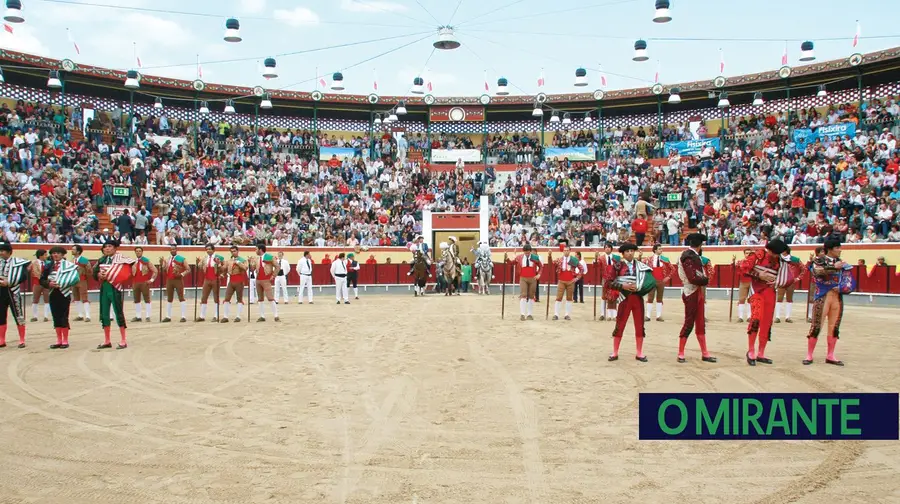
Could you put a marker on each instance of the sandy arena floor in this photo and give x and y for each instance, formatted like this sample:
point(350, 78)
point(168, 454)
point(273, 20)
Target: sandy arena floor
point(401, 400)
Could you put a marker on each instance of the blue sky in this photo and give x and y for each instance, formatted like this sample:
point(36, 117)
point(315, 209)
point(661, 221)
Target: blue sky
point(515, 39)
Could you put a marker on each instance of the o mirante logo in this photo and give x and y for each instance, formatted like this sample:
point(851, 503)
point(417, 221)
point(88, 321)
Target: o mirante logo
point(769, 416)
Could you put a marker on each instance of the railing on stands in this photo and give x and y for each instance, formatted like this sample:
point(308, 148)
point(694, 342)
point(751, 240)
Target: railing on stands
point(882, 280)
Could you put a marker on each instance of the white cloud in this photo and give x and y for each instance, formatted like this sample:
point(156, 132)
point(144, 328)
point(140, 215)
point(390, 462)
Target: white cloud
point(252, 6)
point(371, 6)
point(23, 40)
point(299, 16)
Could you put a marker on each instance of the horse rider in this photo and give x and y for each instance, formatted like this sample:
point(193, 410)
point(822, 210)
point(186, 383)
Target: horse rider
point(419, 245)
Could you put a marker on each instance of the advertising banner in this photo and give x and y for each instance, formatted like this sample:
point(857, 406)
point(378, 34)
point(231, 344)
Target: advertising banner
point(804, 136)
point(571, 153)
point(692, 147)
point(325, 153)
point(452, 155)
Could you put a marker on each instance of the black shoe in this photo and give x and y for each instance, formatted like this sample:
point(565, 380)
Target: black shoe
point(21, 345)
point(807, 362)
point(121, 346)
point(641, 359)
point(612, 358)
point(55, 346)
point(834, 362)
point(709, 359)
point(3, 345)
point(104, 346)
point(764, 360)
point(682, 360)
point(346, 302)
point(750, 361)
point(64, 346)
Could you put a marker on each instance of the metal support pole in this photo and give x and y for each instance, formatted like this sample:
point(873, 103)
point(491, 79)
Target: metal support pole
point(316, 119)
point(484, 133)
point(789, 107)
point(600, 127)
point(659, 120)
point(130, 117)
point(859, 84)
point(428, 134)
point(542, 138)
point(256, 127)
point(371, 134)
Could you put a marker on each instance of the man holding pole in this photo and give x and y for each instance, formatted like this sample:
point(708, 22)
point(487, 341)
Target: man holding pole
point(568, 271)
point(662, 272)
point(236, 269)
point(211, 271)
point(176, 270)
point(144, 275)
point(80, 291)
point(13, 271)
point(265, 271)
point(529, 266)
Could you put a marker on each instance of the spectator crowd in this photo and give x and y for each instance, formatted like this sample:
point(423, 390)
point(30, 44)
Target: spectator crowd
point(223, 183)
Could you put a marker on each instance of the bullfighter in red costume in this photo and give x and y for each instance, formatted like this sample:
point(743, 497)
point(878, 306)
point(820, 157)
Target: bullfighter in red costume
point(694, 277)
point(767, 272)
point(662, 272)
point(632, 279)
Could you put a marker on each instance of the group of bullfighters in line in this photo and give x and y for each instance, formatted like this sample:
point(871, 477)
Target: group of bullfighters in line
point(769, 276)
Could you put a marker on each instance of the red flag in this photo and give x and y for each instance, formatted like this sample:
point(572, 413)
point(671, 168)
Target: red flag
point(71, 39)
point(856, 37)
point(374, 80)
point(602, 76)
point(656, 77)
point(322, 81)
point(784, 58)
point(8, 28)
point(721, 63)
point(487, 87)
point(541, 79)
point(430, 87)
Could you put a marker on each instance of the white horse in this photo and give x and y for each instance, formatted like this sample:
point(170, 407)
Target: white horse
point(484, 268)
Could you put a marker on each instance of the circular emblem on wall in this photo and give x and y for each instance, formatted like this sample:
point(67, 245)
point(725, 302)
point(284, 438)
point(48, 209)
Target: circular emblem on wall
point(784, 72)
point(429, 100)
point(484, 99)
point(599, 94)
point(719, 82)
point(372, 98)
point(68, 65)
point(316, 95)
point(657, 89)
point(457, 114)
point(258, 91)
point(856, 59)
point(198, 85)
point(541, 98)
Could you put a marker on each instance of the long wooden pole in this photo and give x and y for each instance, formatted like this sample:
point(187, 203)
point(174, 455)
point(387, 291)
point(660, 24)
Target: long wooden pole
point(731, 301)
point(162, 274)
point(194, 285)
point(596, 286)
point(549, 281)
point(503, 289)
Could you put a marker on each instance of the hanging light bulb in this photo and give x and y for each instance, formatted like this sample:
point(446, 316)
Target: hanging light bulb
point(204, 108)
point(14, 12)
point(502, 86)
point(131, 80)
point(807, 51)
point(587, 117)
point(229, 107)
point(822, 92)
point(337, 81)
point(269, 70)
point(758, 99)
point(401, 107)
point(663, 15)
point(377, 119)
point(53, 81)
point(581, 79)
point(418, 86)
point(675, 95)
point(158, 105)
point(567, 119)
point(538, 111)
point(446, 39)
point(554, 118)
point(232, 30)
point(723, 100)
point(393, 117)
point(266, 102)
point(640, 51)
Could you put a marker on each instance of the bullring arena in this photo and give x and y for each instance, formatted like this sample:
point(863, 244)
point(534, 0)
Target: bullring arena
point(401, 399)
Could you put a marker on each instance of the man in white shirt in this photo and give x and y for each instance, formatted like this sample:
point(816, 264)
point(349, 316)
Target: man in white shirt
point(281, 273)
point(305, 269)
point(339, 274)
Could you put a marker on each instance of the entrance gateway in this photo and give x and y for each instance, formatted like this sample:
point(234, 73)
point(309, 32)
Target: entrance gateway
point(468, 227)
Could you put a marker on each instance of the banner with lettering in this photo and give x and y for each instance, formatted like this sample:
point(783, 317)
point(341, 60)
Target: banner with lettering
point(804, 136)
point(464, 113)
point(325, 153)
point(452, 155)
point(692, 147)
point(571, 153)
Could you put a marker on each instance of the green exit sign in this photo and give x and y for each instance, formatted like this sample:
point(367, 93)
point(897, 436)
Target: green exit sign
point(121, 191)
point(674, 196)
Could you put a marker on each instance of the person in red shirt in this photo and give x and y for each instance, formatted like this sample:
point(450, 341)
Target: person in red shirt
point(662, 272)
point(639, 227)
point(236, 269)
point(176, 270)
point(210, 270)
point(568, 271)
point(143, 276)
point(767, 272)
point(608, 305)
point(326, 261)
point(529, 266)
point(743, 287)
point(371, 260)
